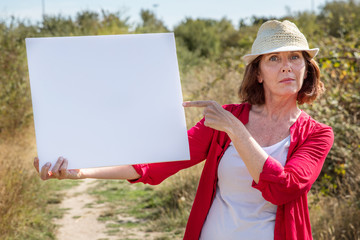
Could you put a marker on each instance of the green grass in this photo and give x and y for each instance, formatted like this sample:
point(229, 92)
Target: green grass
point(54, 196)
point(142, 205)
point(134, 200)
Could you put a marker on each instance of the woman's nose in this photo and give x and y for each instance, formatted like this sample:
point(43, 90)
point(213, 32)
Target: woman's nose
point(286, 67)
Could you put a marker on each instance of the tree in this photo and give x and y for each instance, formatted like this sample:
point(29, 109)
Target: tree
point(340, 18)
point(150, 24)
point(88, 22)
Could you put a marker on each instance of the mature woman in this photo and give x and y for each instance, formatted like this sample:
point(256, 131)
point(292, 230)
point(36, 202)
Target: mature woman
point(262, 156)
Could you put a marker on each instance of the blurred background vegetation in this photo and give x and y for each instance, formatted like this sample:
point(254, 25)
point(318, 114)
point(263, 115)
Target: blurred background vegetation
point(209, 54)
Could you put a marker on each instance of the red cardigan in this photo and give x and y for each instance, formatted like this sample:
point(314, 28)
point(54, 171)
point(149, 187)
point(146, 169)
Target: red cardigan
point(285, 186)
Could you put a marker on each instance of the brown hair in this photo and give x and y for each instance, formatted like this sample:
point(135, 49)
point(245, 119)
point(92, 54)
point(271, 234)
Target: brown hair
point(252, 91)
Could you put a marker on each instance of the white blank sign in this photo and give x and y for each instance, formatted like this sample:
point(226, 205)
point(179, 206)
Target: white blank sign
point(107, 100)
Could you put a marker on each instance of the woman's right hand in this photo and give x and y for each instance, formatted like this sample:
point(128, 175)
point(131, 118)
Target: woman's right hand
point(59, 170)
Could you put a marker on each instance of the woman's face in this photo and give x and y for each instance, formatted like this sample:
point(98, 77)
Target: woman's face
point(282, 73)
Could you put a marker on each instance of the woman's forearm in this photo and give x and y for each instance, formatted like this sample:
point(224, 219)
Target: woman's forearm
point(219, 119)
point(126, 172)
point(249, 150)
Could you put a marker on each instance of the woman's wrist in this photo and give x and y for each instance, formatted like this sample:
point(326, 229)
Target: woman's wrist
point(235, 130)
point(75, 174)
point(81, 174)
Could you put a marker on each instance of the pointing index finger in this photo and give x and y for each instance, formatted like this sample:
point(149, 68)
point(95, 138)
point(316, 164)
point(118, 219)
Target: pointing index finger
point(197, 103)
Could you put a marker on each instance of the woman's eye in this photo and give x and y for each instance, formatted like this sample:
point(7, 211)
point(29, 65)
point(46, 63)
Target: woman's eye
point(273, 58)
point(295, 57)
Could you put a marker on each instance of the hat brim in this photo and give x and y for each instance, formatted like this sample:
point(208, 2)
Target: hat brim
point(250, 57)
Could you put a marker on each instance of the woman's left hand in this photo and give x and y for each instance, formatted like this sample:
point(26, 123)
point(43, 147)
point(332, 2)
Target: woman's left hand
point(59, 170)
point(216, 116)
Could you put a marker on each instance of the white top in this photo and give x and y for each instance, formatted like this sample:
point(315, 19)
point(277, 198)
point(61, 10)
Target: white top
point(239, 211)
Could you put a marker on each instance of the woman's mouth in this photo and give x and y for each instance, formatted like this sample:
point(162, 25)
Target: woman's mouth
point(287, 80)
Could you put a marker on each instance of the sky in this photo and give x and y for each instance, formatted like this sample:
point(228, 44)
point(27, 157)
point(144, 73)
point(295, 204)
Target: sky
point(172, 12)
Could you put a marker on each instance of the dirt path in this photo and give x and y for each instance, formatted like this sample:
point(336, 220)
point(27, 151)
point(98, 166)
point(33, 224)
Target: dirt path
point(79, 221)
point(80, 218)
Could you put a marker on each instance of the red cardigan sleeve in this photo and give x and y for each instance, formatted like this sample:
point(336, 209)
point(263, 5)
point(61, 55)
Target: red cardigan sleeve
point(200, 138)
point(279, 184)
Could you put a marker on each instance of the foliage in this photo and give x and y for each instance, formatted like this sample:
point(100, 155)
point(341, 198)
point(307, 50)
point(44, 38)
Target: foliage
point(57, 26)
point(150, 24)
point(206, 37)
point(85, 23)
point(114, 23)
point(340, 18)
point(340, 108)
point(15, 93)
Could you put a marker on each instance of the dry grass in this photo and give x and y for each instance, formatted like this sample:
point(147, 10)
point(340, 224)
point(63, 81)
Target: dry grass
point(22, 202)
point(335, 218)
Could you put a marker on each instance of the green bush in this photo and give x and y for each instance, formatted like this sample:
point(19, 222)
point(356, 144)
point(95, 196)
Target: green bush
point(15, 104)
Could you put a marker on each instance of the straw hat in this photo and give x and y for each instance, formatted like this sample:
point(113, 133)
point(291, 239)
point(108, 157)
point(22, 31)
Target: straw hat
point(276, 36)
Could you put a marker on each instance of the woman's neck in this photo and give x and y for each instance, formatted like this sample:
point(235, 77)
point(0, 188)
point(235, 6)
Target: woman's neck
point(278, 109)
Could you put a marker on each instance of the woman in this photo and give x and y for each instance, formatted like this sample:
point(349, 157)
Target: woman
point(262, 156)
